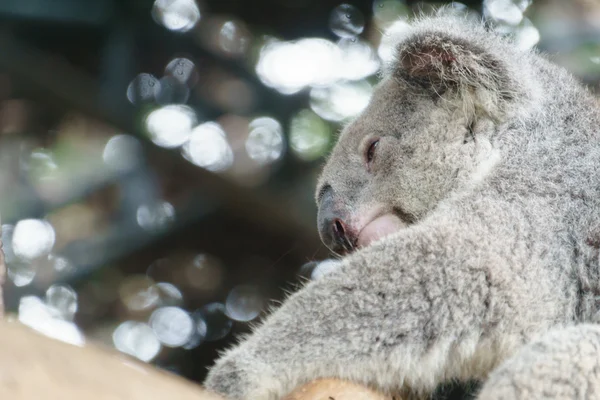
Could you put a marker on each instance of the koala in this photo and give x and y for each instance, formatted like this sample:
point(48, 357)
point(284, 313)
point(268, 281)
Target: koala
point(464, 203)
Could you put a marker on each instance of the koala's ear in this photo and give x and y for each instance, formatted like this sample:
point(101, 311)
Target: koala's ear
point(440, 62)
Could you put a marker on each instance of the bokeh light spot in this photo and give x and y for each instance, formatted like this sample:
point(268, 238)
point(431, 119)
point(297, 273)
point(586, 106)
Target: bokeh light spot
point(122, 153)
point(310, 136)
point(244, 303)
point(324, 267)
point(233, 38)
point(171, 126)
point(291, 66)
point(386, 12)
point(20, 272)
point(34, 313)
point(138, 293)
point(314, 62)
point(204, 273)
point(265, 140)
point(61, 264)
point(155, 217)
point(172, 326)
point(526, 35)
point(136, 339)
point(459, 10)
point(508, 12)
point(32, 238)
point(346, 21)
point(183, 70)
point(62, 300)
point(389, 39)
point(307, 269)
point(358, 58)
point(141, 88)
point(41, 165)
point(208, 148)
point(341, 101)
point(169, 294)
point(176, 15)
point(199, 332)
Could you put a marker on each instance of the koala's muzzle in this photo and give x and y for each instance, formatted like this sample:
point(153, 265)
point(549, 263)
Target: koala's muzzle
point(335, 233)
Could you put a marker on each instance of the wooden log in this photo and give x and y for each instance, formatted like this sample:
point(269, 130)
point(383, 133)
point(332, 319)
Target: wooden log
point(34, 367)
point(335, 389)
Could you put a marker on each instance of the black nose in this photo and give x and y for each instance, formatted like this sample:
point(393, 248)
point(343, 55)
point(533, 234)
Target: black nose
point(334, 232)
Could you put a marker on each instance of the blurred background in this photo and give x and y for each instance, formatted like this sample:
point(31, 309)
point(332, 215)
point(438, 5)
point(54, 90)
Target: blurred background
point(158, 157)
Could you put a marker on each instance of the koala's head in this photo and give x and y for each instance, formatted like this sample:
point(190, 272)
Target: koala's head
point(426, 134)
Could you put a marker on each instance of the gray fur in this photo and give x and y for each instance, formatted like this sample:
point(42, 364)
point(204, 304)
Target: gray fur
point(494, 154)
point(564, 364)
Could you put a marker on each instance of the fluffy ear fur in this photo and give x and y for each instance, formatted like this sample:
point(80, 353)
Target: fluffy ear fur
point(458, 66)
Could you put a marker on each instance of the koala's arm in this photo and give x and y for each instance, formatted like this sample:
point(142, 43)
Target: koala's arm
point(563, 364)
point(449, 297)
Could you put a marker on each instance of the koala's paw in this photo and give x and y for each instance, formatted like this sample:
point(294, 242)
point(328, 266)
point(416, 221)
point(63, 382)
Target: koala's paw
point(229, 380)
point(236, 377)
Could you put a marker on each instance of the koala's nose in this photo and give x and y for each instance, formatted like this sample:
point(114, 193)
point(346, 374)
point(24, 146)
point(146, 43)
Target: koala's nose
point(336, 235)
point(334, 232)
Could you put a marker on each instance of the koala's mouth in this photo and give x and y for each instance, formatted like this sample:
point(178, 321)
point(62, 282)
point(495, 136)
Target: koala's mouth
point(379, 228)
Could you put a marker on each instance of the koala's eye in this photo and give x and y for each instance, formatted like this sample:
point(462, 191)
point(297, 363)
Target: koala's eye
point(370, 155)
